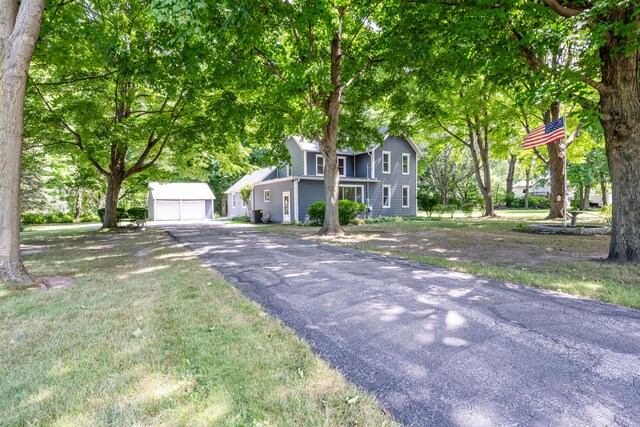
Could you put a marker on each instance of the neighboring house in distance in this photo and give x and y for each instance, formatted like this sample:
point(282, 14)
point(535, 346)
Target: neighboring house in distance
point(537, 187)
point(177, 201)
point(235, 204)
point(384, 177)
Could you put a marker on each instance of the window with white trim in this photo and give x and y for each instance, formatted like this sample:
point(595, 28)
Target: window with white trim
point(386, 196)
point(405, 196)
point(386, 162)
point(342, 166)
point(351, 192)
point(233, 200)
point(267, 196)
point(319, 164)
point(243, 204)
point(406, 157)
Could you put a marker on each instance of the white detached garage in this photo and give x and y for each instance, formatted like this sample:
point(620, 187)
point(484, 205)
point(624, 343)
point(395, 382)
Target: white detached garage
point(177, 201)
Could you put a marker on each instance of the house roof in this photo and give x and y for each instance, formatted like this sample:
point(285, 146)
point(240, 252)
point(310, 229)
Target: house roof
point(251, 178)
point(180, 191)
point(314, 147)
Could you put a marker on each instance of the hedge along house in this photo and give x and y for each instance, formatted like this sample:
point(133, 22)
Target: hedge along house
point(180, 201)
point(235, 205)
point(384, 177)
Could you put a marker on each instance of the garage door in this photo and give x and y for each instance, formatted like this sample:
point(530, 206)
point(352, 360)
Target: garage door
point(168, 211)
point(193, 209)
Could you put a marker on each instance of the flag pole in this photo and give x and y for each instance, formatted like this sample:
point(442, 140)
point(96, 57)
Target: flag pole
point(564, 196)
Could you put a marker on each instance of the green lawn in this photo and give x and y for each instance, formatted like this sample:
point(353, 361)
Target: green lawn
point(148, 336)
point(492, 247)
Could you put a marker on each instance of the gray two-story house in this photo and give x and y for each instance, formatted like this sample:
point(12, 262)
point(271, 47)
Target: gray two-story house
point(384, 177)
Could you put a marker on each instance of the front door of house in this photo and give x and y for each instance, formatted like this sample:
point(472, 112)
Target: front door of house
point(286, 206)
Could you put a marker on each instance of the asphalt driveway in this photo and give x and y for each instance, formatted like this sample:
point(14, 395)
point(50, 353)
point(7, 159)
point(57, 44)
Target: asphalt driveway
point(438, 347)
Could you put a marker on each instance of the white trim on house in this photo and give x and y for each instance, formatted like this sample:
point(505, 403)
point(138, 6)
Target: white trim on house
point(305, 162)
point(406, 188)
point(319, 156)
point(373, 163)
point(388, 170)
point(243, 204)
point(295, 199)
point(286, 218)
point(344, 166)
point(408, 157)
point(233, 200)
point(267, 195)
point(416, 187)
point(388, 204)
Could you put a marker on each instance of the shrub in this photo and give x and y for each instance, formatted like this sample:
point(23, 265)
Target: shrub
point(138, 213)
point(348, 210)
point(316, 212)
point(121, 212)
point(90, 218)
point(33, 218)
point(467, 209)
point(446, 209)
point(540, 202)
point(427, 202)
point(243, 218)
point(509, 200)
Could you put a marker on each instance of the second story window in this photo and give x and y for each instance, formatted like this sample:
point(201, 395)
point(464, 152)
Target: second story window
point(386, 162)
point(319, 164)
point(342, 164)
point(405, 163)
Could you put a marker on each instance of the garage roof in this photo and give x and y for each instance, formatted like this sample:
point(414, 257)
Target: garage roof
point(180, 191)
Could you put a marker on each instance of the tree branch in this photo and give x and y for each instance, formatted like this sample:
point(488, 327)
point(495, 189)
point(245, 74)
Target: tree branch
point(270, 65)
point(561, 10)
point(79, 79)
point(361, 72)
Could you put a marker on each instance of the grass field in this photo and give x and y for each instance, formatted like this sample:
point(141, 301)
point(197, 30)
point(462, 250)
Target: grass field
point(492, 247)
point(139, 333)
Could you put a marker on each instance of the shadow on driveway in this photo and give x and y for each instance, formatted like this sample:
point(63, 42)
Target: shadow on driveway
point(438, 347)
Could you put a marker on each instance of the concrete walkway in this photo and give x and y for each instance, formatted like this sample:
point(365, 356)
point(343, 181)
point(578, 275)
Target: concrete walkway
point(438, 347)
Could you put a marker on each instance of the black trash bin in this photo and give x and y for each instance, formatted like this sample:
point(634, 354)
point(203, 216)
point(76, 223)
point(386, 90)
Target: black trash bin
point(256, 216)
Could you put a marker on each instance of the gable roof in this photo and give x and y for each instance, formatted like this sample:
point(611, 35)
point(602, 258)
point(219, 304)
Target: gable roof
point(251, 178)
point(180, 191)
point(314, 147)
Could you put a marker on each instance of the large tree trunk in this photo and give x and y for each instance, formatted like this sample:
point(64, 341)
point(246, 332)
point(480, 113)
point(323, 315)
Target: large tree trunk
point(111, 201)
point(329, 141)
point(620, 118)
point(556, 165)
point(512, 170)
point(18, 36)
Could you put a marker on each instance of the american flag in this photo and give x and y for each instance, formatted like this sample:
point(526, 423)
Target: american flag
point(545, 134)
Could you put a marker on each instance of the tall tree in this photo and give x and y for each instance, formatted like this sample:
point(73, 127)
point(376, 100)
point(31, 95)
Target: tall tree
point(19, 28)
point(126, 93)
point(312, 67)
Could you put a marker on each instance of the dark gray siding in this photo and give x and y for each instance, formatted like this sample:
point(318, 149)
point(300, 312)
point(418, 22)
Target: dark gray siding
point(362, 166)
point(281, 172)
point(395, 179)
point(273, 208)
point(311, 163)
point(309, 192)
point(238, 210)
point(297, 157)
point(272, 175)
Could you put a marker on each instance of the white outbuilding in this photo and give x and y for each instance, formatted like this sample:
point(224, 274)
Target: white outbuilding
point(177, 201)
